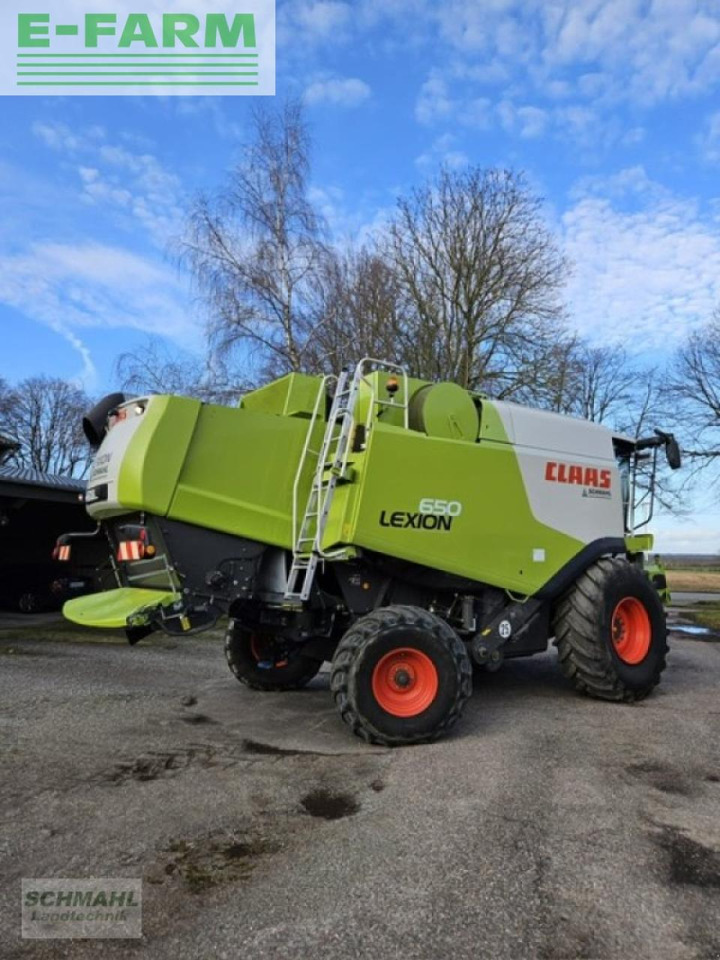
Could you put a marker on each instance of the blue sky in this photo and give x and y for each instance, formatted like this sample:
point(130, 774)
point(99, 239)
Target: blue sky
point(610, 107)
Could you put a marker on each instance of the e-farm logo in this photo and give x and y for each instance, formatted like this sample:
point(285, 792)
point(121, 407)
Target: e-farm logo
point(228, 47)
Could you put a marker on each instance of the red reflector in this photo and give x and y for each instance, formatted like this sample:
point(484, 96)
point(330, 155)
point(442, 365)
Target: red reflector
point(63, 552)
point(117, 417)
point(131, 550)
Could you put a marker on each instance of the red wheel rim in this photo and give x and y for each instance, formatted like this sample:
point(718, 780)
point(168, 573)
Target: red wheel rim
point(256, 649)
point(405, 682)
point(631, 630)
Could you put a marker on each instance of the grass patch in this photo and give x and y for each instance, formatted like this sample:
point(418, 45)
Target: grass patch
point(707, 616)
point(694, 581)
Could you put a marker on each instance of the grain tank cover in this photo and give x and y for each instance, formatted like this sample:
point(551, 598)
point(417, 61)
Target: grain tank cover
point(445, 411)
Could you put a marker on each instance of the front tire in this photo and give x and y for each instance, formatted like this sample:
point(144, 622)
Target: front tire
point(259, 662)
point(610, 632)
point(401, 675)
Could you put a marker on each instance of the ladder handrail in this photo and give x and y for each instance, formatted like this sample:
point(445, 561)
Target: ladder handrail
point(321, 395)
point(374, 400)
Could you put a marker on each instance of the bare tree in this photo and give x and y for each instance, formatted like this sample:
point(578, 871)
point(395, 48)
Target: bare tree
point(154, 368)
point(43, 416)
point(256, 250)
point(694, 385)
point(8, 446)
point(581, 380)
point(481, 276)
point(552, 383)
point(605, 383)
point(358, 313)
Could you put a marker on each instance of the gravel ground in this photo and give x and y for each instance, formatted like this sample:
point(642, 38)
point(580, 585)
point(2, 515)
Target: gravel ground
point(546, 826)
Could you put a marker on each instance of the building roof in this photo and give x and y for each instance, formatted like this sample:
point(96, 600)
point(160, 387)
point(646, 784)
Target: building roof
point(24, 481)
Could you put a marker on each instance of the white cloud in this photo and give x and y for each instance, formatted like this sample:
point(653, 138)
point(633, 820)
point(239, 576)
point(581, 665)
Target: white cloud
point(698, 534)
point(73, 287)
point(434, 101)
point(627, 49)
point(443, 151)
point(338, 91)
point(211, 109)
point(302, 25)
point(56, 135)
point(352, 221)
point(709, 139)
point(133, 185)
point(528, 121)
point(613, 49)
point(632, 136)
point(443, 100)
point(77, 279)
point(323, 18)
point(647, 263)
point(589, 56)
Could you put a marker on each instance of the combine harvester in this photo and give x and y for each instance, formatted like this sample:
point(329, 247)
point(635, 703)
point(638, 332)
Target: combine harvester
point(399, 528)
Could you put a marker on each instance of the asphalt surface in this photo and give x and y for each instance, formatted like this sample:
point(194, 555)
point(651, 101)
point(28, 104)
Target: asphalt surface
point(547, 826)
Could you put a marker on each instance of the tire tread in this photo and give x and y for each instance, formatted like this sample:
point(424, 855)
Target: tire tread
point(583, 657)
point(360, 635)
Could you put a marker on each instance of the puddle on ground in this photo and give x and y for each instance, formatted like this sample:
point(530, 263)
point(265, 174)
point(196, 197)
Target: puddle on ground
point(692, 631)
point(328, 805)
point(689, 863)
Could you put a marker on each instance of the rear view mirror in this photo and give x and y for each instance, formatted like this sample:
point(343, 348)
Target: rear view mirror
point(672, 452)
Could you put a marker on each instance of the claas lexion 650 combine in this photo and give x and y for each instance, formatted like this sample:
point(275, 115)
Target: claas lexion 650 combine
point(404, 530)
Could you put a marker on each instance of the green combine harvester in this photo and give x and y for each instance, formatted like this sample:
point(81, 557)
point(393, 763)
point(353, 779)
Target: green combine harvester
point(401, 529)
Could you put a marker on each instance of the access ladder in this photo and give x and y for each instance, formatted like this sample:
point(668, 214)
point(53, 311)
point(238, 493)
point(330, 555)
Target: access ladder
point(331, 468)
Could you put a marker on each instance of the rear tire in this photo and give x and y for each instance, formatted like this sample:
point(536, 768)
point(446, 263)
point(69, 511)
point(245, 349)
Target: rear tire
point(401, 675)
point(610, 632)
point(258, 663)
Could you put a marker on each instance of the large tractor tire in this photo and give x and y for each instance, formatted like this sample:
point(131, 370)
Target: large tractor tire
point(610, 632)
point(400, 675)
point(259, 663)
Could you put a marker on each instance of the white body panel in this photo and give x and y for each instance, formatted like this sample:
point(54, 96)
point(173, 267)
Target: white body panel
point(569, 470)
point(109, 457)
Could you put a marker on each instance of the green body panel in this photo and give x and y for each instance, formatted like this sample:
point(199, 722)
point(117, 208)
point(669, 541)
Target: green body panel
point(494, 538)
point(491, 426)
point(639, 542)
point(444, 410)
point(113, 608)
point(290, 396)
point(392, 412)
point(657, 573)
point(151, 466)
point(227, 469)
point(239, 473)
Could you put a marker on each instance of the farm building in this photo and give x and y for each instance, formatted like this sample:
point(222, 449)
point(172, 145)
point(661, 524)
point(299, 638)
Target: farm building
point(35, 508)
